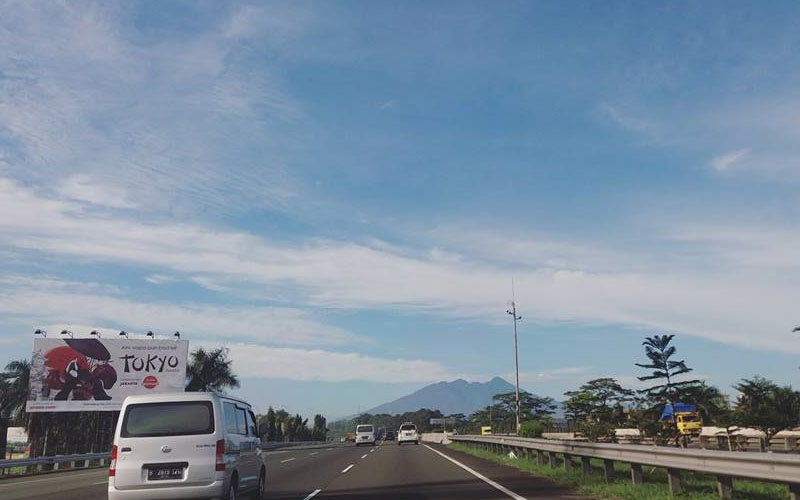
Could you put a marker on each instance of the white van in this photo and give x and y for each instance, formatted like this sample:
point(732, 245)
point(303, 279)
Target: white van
point(365, 434)
point(185, 445)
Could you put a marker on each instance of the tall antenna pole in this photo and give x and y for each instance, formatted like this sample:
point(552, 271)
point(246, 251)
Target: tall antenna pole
point(513, 313)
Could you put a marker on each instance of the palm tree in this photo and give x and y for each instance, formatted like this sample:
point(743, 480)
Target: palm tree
point(210, 371)
point(14, 384)
point(659, 351)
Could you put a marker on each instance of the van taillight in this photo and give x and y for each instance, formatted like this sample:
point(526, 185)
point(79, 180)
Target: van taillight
point(112, 467)
point(220, 456)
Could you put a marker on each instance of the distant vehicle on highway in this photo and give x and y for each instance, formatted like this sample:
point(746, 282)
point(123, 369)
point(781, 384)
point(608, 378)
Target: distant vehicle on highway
point(365, 434)
point(407, 433)
point(186, 445)
point(389, 436)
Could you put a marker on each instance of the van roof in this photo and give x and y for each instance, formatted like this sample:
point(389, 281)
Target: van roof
point(181, 396)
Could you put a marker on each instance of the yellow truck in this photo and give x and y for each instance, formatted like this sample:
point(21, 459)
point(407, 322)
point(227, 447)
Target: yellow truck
point(684, 417)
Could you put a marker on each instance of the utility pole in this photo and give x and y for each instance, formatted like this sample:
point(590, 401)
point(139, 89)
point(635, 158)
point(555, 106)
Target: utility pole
point(513, 313)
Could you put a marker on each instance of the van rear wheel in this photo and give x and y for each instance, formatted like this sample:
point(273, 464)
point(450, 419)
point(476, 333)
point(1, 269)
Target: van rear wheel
point(232, 489)
point(261, 492)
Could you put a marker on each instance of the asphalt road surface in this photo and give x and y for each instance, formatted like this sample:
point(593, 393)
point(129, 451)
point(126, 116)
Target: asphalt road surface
point(388, 471)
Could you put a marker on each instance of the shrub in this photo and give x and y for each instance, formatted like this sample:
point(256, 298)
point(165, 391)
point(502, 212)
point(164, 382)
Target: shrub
point(534, 428)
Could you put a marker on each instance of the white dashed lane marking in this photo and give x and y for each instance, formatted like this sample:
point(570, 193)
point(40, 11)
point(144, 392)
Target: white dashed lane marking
point(312, 494)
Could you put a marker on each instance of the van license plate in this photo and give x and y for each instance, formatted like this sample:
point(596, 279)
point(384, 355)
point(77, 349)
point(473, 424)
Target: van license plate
point(168, 472)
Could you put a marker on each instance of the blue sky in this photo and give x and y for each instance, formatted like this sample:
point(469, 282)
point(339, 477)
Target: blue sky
point(342, 192)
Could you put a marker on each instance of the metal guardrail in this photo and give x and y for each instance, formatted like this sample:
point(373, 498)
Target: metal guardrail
point(725, 465)
point(88, 457)
point(56, 460)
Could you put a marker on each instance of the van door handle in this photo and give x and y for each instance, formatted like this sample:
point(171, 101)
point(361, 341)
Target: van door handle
point(125, 450)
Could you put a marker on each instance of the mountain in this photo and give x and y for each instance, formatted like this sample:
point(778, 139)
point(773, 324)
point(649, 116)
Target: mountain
point(458, 396)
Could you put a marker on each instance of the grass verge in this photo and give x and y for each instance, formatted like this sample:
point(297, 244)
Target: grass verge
point(696, 486)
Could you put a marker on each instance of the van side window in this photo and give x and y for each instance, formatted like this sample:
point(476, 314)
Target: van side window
point(251, 423)
point(241, 421)
point(230, 419)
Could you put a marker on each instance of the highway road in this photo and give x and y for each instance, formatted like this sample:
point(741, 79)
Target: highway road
point(409, 472)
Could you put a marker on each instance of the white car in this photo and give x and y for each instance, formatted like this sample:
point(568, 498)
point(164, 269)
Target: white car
point(185, 445)
point(407, 433)
point(365, 434)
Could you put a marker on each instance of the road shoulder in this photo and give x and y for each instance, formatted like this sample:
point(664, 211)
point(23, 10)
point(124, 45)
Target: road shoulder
point(519, 482)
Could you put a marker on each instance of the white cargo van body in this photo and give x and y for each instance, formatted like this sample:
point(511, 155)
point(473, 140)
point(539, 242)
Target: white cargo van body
point(185, 445)
point(365, 434)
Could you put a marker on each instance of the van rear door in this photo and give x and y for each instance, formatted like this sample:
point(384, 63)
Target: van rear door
point(166, 444)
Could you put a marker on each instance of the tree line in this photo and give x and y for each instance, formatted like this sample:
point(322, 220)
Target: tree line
point(599, 406)
point(52, 433)
point(535, 411)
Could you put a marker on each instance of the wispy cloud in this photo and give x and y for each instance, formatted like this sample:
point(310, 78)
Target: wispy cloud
point(81, 188)
point(314, 364)
point(160, 279)
point(349, 275)
point(726, 161)
point(641, 126)
point(93, 108)
point(71, 304)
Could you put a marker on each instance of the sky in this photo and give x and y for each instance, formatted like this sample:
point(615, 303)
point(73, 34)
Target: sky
point(341, 193)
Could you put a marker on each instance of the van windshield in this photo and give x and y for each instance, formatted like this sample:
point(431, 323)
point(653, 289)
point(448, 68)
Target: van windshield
point(408, 427)
point(184, 418)
point(364, 428)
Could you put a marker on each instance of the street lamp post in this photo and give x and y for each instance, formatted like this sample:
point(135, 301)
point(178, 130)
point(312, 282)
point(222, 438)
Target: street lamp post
point(513, 313)
point(41, 332)
point(67, 332)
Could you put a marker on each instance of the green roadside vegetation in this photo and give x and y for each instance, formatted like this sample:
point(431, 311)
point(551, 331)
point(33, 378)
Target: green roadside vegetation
point(696, 486)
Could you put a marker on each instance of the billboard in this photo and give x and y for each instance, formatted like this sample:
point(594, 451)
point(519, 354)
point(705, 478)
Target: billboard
point(92, 374)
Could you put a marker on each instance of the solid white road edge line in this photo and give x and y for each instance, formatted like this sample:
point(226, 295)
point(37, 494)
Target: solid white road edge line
point(287, 460)
point(348, 468)
point(312, 494)
point(479, 475)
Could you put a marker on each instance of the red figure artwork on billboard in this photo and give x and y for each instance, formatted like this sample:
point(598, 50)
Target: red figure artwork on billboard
point(80, 370)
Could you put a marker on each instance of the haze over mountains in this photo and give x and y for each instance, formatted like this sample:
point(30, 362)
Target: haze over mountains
point(458, 396)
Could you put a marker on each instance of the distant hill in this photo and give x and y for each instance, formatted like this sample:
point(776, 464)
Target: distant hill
point(458, 396)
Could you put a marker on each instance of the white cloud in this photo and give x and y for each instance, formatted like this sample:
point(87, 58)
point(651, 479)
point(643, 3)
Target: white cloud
point(302, 364)
point(724, 304)
point(631, 123)
point(82, 188)
point(160, 279)
point(178, 122)
point(274, 24)
point(209, 284)
point(726, 161)
point(276, 325)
